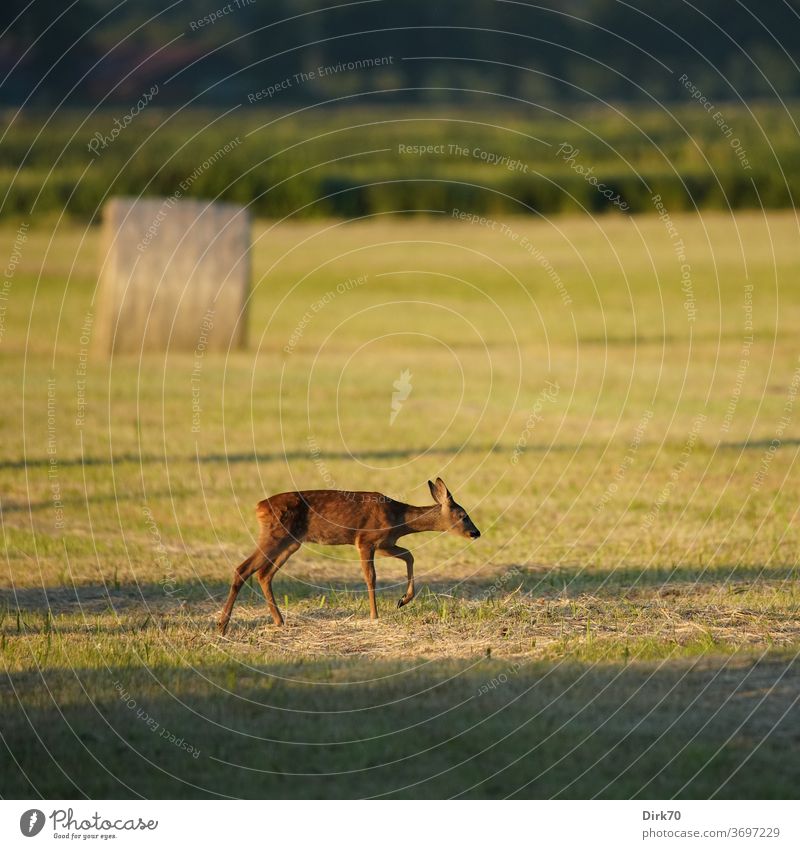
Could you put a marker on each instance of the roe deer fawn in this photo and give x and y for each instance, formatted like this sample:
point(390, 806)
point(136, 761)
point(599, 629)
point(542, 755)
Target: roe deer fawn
point(368, 520)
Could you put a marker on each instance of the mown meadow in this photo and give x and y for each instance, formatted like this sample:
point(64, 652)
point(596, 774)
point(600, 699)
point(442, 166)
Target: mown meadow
point(624, 434)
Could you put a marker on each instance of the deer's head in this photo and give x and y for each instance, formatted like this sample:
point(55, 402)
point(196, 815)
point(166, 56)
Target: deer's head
point(454, 518)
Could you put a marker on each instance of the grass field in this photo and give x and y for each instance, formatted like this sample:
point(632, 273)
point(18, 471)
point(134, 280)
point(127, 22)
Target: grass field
point(625, 438)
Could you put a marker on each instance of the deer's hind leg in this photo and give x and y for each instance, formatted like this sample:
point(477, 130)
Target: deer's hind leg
point(408, 558)
point(266, 573)
point(243, 571)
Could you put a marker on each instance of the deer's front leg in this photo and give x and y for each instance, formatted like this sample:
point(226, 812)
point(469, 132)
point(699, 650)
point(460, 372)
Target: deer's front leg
point(367, 553)
point(408, 558)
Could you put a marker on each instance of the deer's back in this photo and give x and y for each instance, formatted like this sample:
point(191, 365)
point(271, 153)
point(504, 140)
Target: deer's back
point(330, 516)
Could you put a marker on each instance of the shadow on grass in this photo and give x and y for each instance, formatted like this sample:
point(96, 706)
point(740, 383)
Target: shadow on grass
point(280, 456)
point(174, 493)
point(336, 729)
point(367, 455)
point(757, 444)
point(576, 579)
point(536, 581)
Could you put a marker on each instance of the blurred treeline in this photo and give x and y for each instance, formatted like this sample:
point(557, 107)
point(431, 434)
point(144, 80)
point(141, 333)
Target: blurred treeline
point(504, 77)
point(349, 162)
point(91, 51)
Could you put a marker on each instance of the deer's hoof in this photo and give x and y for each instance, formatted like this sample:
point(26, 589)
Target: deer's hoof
point(401, 602)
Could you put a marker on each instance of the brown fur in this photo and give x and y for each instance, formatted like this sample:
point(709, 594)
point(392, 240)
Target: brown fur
point(368, 520)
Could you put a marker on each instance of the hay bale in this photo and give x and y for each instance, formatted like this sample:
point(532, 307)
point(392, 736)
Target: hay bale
point(174, 273)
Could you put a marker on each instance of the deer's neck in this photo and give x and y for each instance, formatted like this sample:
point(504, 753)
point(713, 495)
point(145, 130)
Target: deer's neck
point(420, 519)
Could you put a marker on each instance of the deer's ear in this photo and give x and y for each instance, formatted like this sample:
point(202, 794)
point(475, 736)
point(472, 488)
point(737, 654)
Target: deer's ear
point(432, 488)
point(440, 491)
